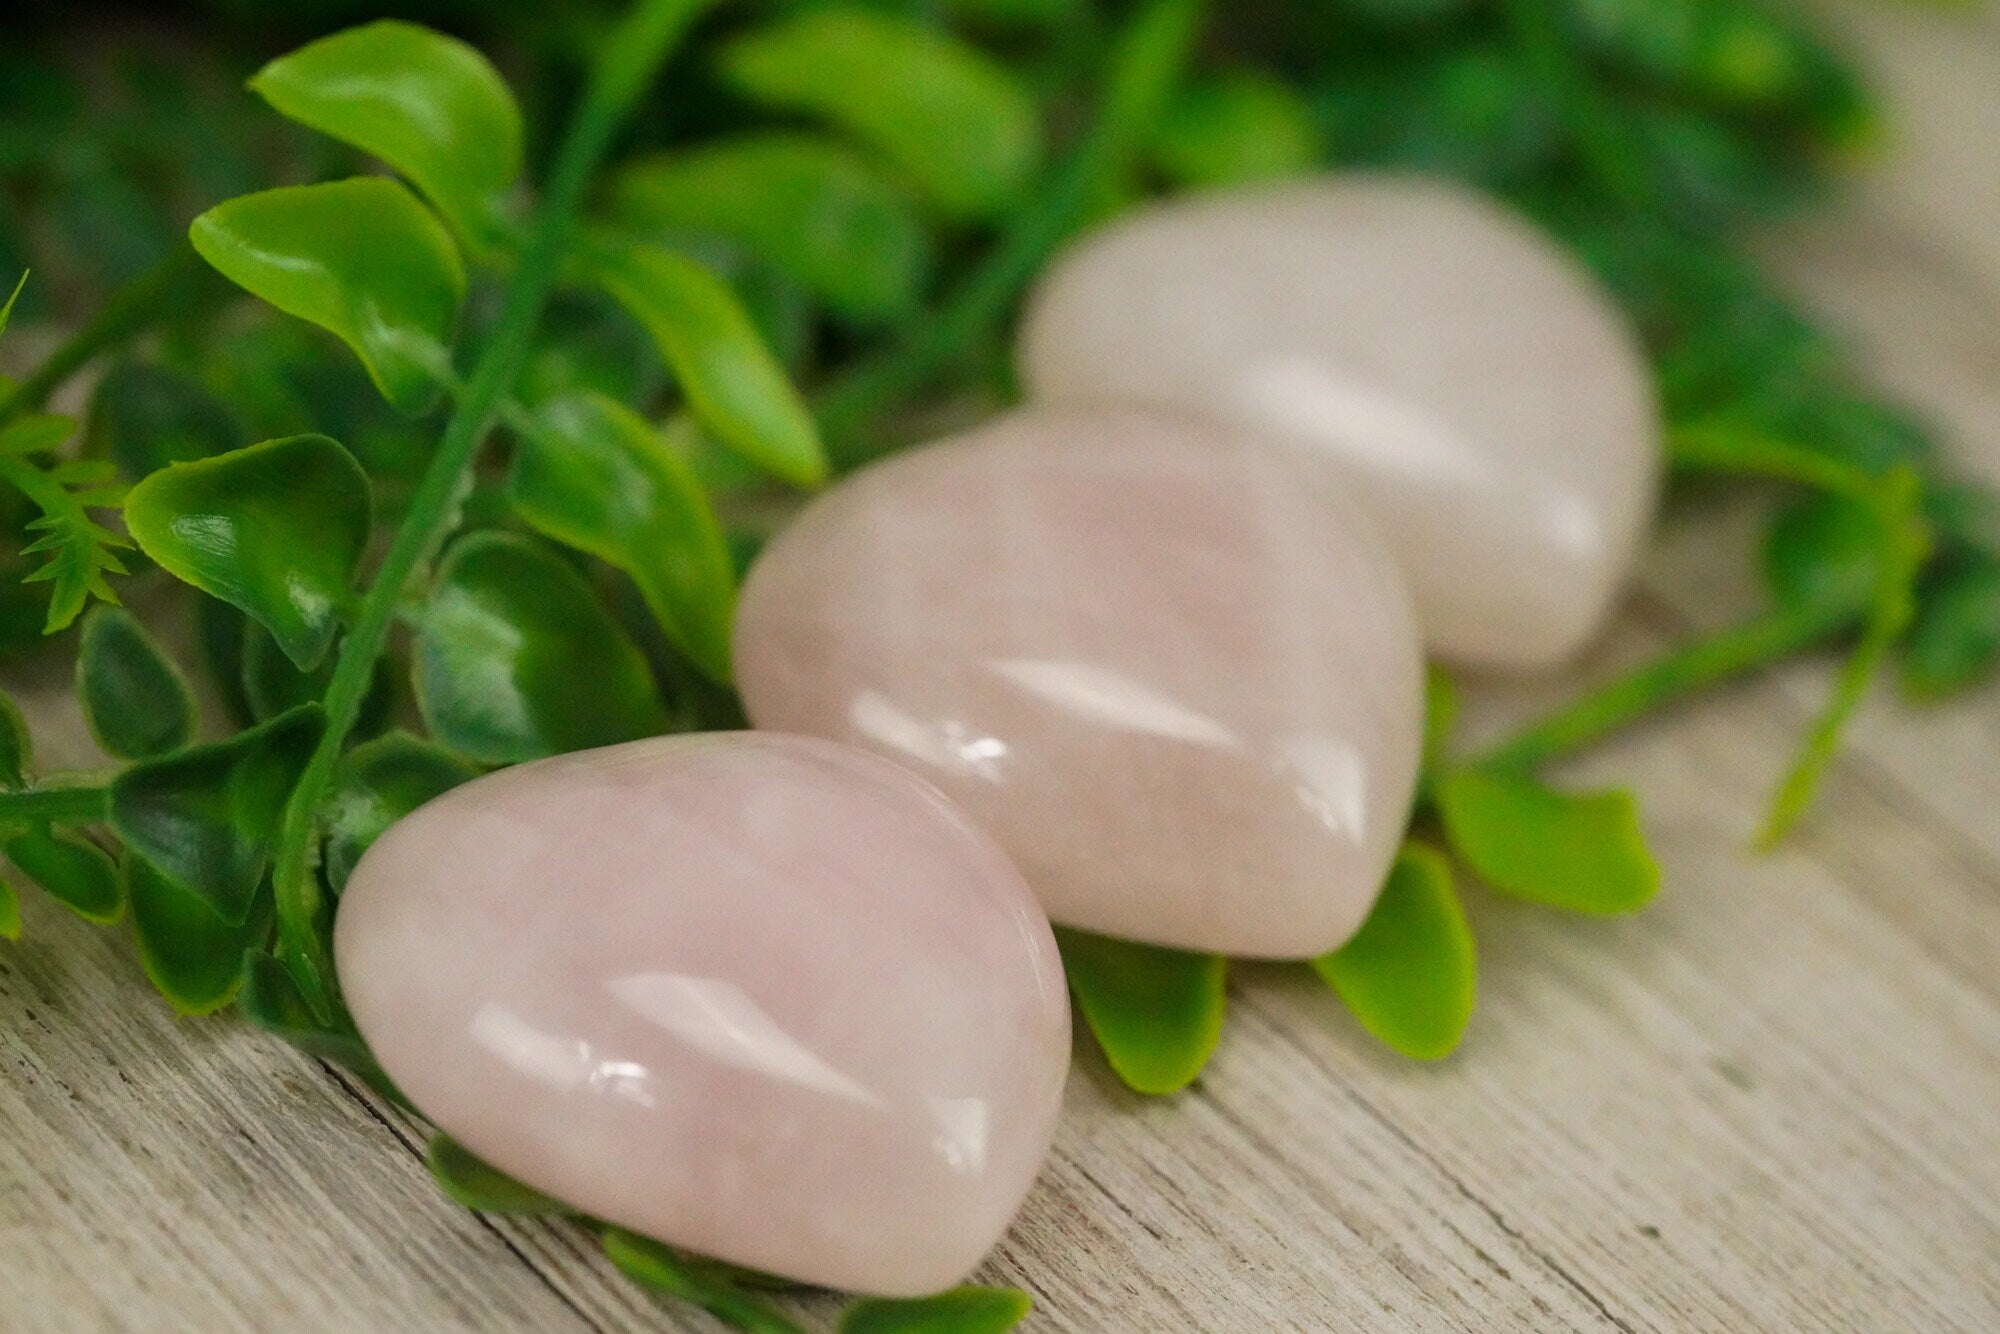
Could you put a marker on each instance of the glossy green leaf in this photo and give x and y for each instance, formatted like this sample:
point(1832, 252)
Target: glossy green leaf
point(276, 530)
point(270, 999)
point(207, 817)
point(379, 783)
point(595, 476)
point(498, 652)
point(963, 1310)
point(815, 210)
point(17, 745)
point(362, 259)
point(192, 955)
point(692, 1279)
point(1581, 851)
point(71, 869)
point(429, 105)
point(135, 700)
point(958, 123)
point(143, 417)
point(1409, 974)
point(271, 684)
point(733, 385)
point(1237, 128)
point(1824, 550)
point(219, 632)
point(79, 553)
point(10, 912)
point(1955, 642)
point(1156, 1012)
point(477, 1185)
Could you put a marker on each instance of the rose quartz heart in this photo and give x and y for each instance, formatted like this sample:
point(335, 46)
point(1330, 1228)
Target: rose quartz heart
point(766, 998)
point(1415, 347)
point(1185, 695)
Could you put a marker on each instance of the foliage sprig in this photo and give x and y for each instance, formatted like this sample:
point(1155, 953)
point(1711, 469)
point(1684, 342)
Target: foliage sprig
point(816, 244)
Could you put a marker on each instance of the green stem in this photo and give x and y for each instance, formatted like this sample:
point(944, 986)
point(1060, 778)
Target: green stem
point(1682, 672)
point(630, 56)
point(1145, 69)
point(131, 310)
point(1895, 500)
point(55, 805)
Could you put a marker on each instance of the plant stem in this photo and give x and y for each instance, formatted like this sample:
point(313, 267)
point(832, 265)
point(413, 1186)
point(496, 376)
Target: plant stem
point(1682, 672)
point(1145, 69)
point(55, 805)
point(131, 310)
point(630, 56)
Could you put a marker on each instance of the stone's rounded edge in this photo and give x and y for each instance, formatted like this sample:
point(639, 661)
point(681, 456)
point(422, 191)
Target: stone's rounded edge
point(896, 1271)
point(760, 620)
point(1570, 624)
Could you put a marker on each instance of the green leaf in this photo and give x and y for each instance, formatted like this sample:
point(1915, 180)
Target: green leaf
point(1156, 1012)
point(964, 1310)
point(734, 386)
point(1824, 550)
point(143, 417)
point(219, 632)
point(595, 476)
point(7, 313)
point(475, 1184)
point(429, 105)
point(207, 817)
point(955, 121)
point(17, 746)
point(1584, 852)
point(270, 684)
point(276, 530)
point(10, 902)
point(1962, 515)
point(362, 259)
point(380, 782)
point(191, 954)
point(1441, 710)
point(135, 700)
point(1236, 128)
point(80, 551)
point(270, 999)
point(1955, 642)
point(71, 869)
point(814, 210)
point(1409, 974)
point(690, 1279)
point(497, 655)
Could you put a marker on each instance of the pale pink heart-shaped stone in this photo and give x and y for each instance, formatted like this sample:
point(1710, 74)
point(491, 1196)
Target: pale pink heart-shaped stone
point(1184, 694)
point(766, 998)
point(1415, 347)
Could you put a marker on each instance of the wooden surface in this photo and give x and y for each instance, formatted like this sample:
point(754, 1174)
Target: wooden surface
point(1771, 1102)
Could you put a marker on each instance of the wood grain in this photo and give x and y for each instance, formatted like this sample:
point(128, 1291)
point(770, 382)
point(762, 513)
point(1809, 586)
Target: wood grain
point(1771, 1102)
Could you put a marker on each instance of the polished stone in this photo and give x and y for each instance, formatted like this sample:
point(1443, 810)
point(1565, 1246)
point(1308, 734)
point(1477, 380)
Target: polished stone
point(1184, 694)
point(765, 998)
point(1415, 347)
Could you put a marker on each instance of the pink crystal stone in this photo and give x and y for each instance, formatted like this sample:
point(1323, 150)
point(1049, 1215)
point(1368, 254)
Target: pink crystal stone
point(1415, 348)
point(766, 998)
point(1184, 694)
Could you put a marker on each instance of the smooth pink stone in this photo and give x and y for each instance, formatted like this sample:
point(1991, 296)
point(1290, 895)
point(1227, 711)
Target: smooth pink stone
point(762, 997)
point(1418, 350)
point(1183, 693)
